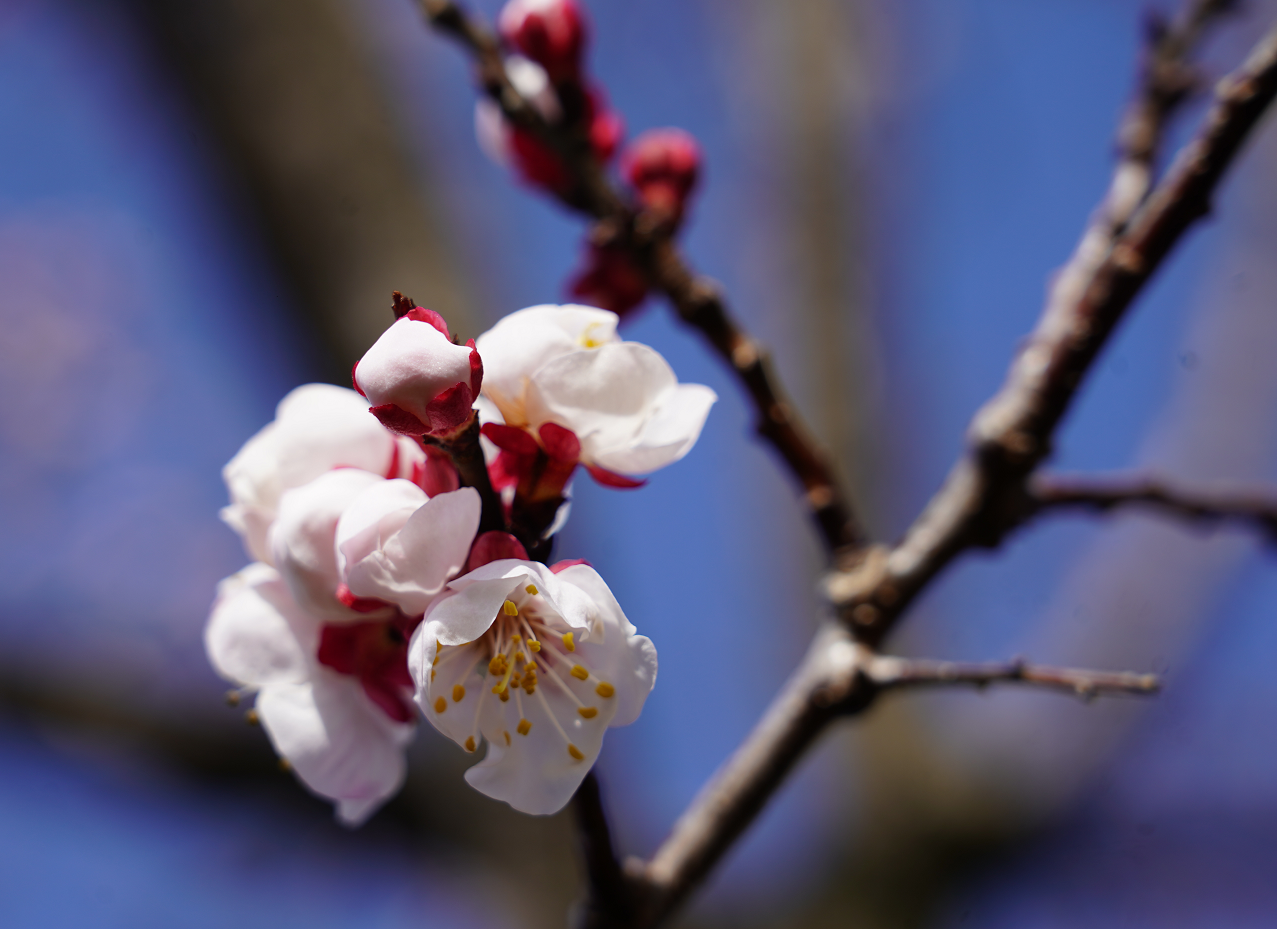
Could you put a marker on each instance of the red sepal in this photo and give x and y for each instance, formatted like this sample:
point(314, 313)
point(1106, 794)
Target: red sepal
point(494, 546)
point(476, 369)
point(569, 563)
point(355, 381)
point(450, 409)
point(398, 420)
point(389, 699)
point(359, 604)
point(422, 315)
point(560, 442)
point(510, 438)
point(612, 479)
point(436, 475)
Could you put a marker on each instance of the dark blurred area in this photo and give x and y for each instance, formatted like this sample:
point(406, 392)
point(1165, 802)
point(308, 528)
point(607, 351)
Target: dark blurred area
point(204, 203)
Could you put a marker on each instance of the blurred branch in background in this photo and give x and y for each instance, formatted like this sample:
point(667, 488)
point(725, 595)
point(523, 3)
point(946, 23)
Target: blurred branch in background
point(292, 100)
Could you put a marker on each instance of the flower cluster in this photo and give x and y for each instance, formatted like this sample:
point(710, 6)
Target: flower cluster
point(374, 593)
point(545, 42)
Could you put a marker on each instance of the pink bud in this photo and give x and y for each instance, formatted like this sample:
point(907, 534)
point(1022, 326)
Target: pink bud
point(662, 165)
point(416, 380)
point(550, 32)
point(610, 280)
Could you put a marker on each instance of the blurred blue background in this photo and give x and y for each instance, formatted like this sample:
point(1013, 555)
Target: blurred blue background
point(203, 204)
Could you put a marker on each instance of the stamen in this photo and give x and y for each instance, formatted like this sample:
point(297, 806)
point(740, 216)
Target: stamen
point(575, 752)
point(568, 643)
point(458, 693)
point(588, 712)
point(505, 696)
point(506, 733)
point(524, 727)
point(440, 705)
point(532, 589)
point(604, 689)
point(509, 608)
point(580, 673)
point(497, 666)
point(534, 645)
point(470, 743)
point(563, 686)
point(545, 705)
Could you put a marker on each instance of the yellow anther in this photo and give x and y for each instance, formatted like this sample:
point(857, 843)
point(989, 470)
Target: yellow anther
point(568, 643)
point(532, 589)
point(252, 718)
point(509, 608)
point(588, 712)
point(458, 693)
point(285, 765)
point(497, 665)
point(505, 696)
point(438, 655)
point(524, 727)
point(470, 743)
point(534, 645)
point(519, 656)
point(575, 752)
point(440, 705)
point(506, 733)
point(604, 689)
point(433, 672)
point(579, 672)
point(532, 666)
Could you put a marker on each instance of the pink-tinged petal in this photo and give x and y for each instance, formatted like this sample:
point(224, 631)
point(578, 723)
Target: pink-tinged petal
point(409, 367)
point(612, 479)
point(493, 546)
point(256, 633)
point(520, 344)
point(450, 409)
point(341, 745)
point(670, 432)
point(372, 517)
point(304, 536)
point(461, 616)
point(410, 567)
point(410, 459)
point(423, 315)
point(399, 420)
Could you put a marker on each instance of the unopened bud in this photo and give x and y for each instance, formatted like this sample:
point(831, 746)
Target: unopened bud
point(610, 280)
point(550, 32)
point(663, 166)
point(416, 380)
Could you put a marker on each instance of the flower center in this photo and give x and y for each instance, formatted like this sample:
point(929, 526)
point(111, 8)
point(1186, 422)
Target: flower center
point(528, 648)
point(376, 653)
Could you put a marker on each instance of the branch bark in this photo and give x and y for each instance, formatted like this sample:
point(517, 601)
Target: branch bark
point(888, 671)
point(985, 495)
point(1255, 508)
point(697, 299)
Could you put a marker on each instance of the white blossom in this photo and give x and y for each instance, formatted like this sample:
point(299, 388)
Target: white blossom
point(537, 663)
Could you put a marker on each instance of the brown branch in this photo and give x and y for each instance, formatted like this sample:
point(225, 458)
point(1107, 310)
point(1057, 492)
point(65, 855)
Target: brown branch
point(697, 299)
point(888, 671)
point(608, 903)
point(1256, 508)
point(985, 495)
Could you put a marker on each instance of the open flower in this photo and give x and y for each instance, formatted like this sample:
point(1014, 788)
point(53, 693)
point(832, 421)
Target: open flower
point(324, 639)
point(417, 380)
point(622, 401)
point(321, 699)
point(317, 427)
point(539, 664)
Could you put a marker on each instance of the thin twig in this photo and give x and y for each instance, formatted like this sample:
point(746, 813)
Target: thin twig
point(1256, 508)
point(985, 495)
point(889, 671)
point(697, 299)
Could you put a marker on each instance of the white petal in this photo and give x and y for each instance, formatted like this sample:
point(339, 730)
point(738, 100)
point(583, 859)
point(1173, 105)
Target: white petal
point(339, 743)
point(625, 660)
point(624, 404)
point(463, 666)
point(253, 525)
point(256, 633)
point(520, 344)
point(669, 434)
point(411, 566)
point(322, 427)
point(304, 536)
point(535, 773)
point(461, 616)
point(508, 578)
point(372, 517)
